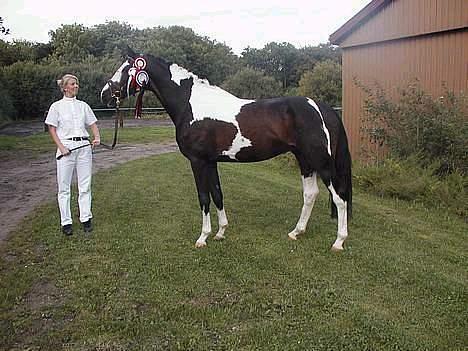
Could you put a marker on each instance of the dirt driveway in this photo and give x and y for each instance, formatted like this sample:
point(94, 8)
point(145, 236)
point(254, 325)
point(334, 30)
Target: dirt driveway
point(27, 182)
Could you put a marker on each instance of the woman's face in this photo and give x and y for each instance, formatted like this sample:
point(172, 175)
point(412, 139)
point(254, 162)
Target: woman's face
point(71, 88)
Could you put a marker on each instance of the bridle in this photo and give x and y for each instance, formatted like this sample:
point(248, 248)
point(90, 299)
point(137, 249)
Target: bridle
point(139, 80)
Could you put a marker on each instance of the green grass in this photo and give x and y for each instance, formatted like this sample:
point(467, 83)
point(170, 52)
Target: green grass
point(139, 284)
point(41, 143)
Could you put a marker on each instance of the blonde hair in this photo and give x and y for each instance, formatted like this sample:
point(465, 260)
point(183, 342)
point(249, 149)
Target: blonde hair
point(65, 79)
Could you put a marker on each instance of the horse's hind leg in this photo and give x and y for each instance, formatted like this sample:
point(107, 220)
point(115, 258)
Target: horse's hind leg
point(217, 196)
point(311, 192)
point(341, 206)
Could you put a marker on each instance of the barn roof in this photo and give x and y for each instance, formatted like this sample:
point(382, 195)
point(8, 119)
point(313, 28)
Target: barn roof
point(361, 17)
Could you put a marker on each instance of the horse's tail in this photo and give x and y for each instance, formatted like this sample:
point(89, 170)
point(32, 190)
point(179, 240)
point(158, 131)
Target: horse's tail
point(343, 170)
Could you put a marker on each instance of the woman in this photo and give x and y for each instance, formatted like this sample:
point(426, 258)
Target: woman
point(67, 120)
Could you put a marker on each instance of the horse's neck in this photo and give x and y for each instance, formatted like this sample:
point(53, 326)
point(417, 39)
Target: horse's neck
point(206, 100)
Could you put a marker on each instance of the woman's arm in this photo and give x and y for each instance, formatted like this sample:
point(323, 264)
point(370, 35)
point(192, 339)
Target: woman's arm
point(55, 138)
point(96, 135)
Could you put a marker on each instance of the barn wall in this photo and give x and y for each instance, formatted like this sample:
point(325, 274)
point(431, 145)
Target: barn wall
point(432, 59)
point(407, 18)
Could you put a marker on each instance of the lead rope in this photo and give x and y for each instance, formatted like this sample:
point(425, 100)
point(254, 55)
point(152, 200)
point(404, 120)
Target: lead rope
point(116, 94)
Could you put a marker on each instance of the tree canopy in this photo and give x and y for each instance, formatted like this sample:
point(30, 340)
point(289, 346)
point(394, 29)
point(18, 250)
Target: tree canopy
point(3, 29)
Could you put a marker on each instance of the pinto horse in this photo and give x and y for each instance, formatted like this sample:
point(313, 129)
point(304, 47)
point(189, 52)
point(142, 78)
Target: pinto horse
point(214, 126)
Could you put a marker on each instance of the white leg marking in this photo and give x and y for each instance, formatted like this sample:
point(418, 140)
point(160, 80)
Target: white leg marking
point(311, 192)
point(206, 230)
point(222, 223)
point(341, 206)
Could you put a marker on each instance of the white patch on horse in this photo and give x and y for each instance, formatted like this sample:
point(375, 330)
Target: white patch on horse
point(118, 74)
point(211, 102)
point(106, 87)
point(325, 129)
point(115, 78)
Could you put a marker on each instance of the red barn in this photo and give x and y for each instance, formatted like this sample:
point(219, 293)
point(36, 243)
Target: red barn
point(393, 42)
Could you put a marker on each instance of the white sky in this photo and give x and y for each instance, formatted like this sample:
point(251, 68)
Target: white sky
point(237, 23)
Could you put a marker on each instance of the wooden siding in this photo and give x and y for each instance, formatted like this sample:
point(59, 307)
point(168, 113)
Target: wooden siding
point(431, 59)
point(406, 18)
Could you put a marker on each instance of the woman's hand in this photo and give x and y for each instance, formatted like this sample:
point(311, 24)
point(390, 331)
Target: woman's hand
point(64, 151)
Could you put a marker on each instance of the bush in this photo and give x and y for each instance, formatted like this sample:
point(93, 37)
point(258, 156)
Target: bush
point(33, 87)
point(434, 129)
point(407, 180)
point(7, 109)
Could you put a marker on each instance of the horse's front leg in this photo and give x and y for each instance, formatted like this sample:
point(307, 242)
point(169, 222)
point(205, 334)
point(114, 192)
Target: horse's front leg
point(200, 172)
point(217, 196)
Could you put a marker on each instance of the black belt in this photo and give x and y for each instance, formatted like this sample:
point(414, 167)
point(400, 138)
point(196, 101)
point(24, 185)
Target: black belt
point(78, 138)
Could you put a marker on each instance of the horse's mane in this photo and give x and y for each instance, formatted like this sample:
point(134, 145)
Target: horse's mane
point(178, 72)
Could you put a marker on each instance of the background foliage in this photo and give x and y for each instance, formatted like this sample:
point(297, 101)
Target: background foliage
point(433, 129)
point(28, 70)
point(323, 82)
point(425, 144)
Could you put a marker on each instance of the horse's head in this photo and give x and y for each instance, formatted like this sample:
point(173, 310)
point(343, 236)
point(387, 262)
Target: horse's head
point(129, 78)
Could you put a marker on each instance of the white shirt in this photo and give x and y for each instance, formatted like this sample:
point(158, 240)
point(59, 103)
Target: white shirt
point(71, 117)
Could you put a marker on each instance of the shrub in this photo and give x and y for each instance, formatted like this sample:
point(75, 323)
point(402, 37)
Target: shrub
point(407, 180)
point(7, 109)
point(434, 129)
point(32, 87)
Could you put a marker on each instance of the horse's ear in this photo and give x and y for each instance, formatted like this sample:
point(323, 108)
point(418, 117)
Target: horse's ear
point(131, 53)
point(128, 51)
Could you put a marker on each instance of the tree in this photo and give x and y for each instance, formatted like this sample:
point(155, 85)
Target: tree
point(248, 83)
point(323, 83)
point(200, 55)
point(22, 50)
point(3, 29)
point(111, 36)
point(309, 56)
point(275, 59)
point(71, 42)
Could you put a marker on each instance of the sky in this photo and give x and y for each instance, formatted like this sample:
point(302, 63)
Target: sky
point(238, 24)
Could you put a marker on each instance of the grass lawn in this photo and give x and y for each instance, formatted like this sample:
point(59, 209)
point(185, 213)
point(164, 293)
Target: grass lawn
point(138, 283)
point(42, 142)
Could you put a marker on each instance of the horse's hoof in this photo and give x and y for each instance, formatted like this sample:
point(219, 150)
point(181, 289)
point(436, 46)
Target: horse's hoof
point(219, 237)
point(337, 249)
point(199, 245)
point(292, 236)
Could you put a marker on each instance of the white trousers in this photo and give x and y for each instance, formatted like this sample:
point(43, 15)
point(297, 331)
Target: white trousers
point(82, 161)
